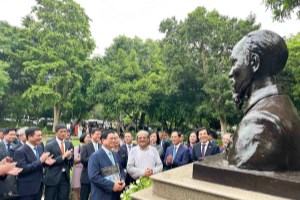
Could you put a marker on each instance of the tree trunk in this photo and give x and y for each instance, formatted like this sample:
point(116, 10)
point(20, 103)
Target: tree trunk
point(223, 123)
point(56, 111)
point(142, 120)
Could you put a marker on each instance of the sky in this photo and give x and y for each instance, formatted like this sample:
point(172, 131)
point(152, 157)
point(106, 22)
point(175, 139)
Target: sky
point(141, 18)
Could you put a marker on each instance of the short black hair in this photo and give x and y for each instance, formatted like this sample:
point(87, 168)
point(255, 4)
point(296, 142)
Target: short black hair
point(106, 133)
point(178, 133)
point(201, 129)
point(94, 130)
point(7, 130)
point(82, 137)
point(60, 126)
point(31, 131)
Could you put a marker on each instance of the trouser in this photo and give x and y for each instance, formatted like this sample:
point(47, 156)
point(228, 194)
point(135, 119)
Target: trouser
point(60, 191)
point(85, 190)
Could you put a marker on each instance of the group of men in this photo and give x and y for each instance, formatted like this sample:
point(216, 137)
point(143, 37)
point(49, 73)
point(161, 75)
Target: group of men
point(104, 173)
point(38, 165)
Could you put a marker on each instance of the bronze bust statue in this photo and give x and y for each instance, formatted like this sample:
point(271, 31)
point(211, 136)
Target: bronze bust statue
point(268, 137)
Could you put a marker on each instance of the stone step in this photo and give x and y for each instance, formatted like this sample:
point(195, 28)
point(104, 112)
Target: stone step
point(178, 184)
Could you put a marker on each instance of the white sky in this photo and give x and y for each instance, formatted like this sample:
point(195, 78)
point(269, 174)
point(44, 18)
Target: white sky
point(141, 18)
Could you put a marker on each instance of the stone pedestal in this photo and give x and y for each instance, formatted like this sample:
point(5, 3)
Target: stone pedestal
point(178, 184)
point(216, 170)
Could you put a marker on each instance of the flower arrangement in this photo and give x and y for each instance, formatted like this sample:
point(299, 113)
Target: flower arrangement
point(141, 183)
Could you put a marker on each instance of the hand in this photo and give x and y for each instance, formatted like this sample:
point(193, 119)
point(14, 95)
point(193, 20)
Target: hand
point(68, 153)
point(50, 161)
point(119, 186)
point(169, 160)
point(15, 171)
point(6, 167)
point(44, 156)
point(148, 172)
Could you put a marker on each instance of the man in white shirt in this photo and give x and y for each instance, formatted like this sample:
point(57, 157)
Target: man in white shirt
point(144, 159)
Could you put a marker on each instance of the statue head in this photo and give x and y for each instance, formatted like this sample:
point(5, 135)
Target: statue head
point(257, 55)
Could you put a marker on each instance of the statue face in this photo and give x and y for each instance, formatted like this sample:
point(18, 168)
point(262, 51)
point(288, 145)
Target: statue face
point(241, 72)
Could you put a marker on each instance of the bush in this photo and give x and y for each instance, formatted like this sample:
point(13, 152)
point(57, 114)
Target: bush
point(141, 183)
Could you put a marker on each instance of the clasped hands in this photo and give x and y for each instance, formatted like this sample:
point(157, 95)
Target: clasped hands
point(119, 186)
point(148, 172)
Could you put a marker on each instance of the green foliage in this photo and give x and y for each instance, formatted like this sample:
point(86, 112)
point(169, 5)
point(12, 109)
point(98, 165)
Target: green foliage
point(196, 54)
point(56, 51)
point(290, 77)
point(283, 9)
point(141, 183)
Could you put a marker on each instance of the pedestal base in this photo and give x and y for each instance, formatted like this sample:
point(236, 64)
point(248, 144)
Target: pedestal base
point(216, 170)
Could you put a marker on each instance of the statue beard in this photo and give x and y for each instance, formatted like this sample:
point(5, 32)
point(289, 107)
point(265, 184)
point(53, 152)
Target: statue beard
point(238, 98)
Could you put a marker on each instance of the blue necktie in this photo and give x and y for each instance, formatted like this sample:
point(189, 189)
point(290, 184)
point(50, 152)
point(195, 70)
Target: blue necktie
point(111, 157)
point(37, 153)
point(174, 152)
point(8, 146)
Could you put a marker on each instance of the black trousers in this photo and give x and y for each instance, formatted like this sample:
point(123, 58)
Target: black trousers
point(85, 190)
point(37, 196)
point(60, 191)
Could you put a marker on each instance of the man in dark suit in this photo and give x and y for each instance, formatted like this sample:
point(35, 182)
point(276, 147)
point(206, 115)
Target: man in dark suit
point(31, 157)
point(105, 170)
point(22, 140)
point(126, 147)
point(7, 143)
point(204, 147)
point(9, 182)
point(86, 151)
point(176, 154)
point(164, 142)
point(57, 176)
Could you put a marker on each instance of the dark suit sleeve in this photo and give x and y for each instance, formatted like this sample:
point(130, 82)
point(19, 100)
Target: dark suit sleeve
point(168, 152)
point(185, 159)
point(84, 157)
point(50, 148)
point(194, 158)
point(20, 158)
point(95, 177)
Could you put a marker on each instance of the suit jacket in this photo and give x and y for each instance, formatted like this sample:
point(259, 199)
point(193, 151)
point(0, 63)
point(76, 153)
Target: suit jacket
point(101, 187)
point(182, 156)
point(32, 174)
point(86, 151)
point(3, 152)
point(212, 149)
point(7, 183)
point(53, 172)
point(12, 150)
point(124, 148)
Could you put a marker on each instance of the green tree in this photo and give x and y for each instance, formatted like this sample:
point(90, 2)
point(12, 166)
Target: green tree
point(197, 53)
point(127, 78)
point(290, 77)
point(60, 43)
point(283, 9)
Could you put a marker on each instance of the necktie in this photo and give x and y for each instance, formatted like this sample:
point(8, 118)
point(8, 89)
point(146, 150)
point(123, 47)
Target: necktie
point(8, 146)
point(111, 157)
point(174, 152)
point(62, 148)
point(203, 150)
point(37, 153)
point(129, 148)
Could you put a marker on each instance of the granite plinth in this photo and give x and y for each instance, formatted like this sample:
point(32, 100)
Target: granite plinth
point(214, 169)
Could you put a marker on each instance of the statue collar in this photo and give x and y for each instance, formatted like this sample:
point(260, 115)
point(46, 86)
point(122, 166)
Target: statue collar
point(260, 94)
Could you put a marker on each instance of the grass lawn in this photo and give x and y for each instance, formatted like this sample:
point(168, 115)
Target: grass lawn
point(75, 141)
